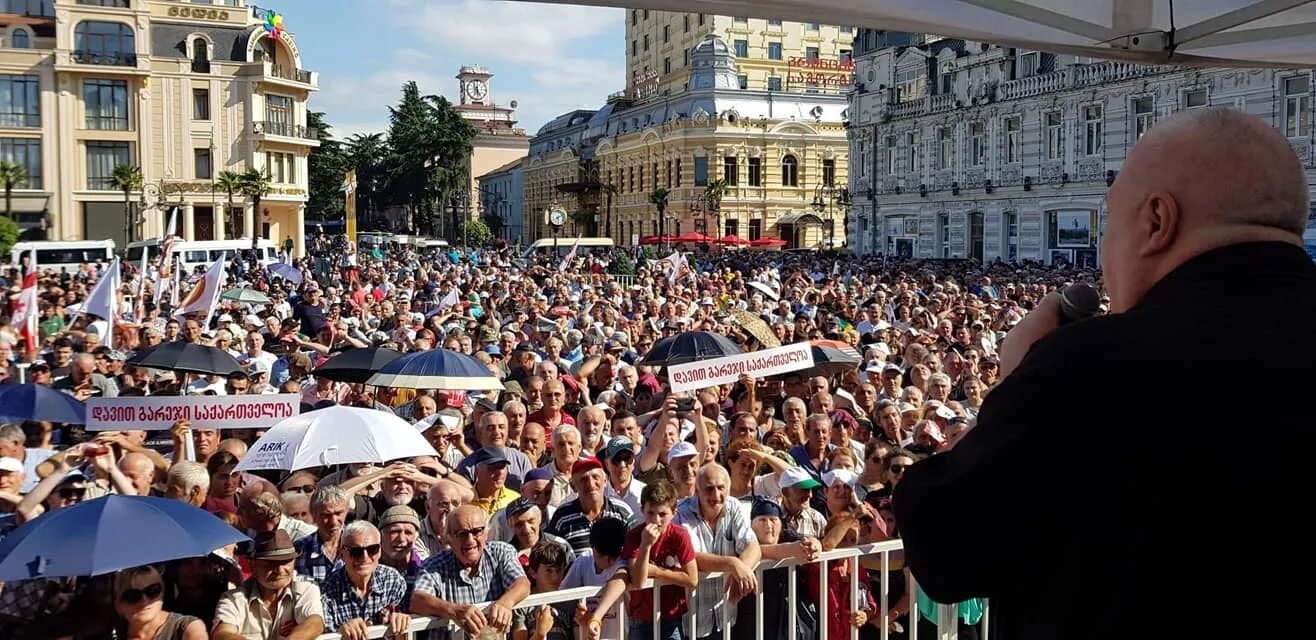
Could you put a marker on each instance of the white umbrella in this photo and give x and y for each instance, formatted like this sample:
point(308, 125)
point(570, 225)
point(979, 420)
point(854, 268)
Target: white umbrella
point(335, 435)
point(767, 291)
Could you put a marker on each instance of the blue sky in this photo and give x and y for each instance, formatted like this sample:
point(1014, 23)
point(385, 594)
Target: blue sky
point(549, 58)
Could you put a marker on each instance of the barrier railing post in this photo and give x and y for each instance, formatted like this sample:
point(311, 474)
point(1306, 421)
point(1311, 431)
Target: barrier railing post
point(792, 613)
point(885, 597)
point(758, 605)
point(948, 627)
point(657, 612)
point(822, 600)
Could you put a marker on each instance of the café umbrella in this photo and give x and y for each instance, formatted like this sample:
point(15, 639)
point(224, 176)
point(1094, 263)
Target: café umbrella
point(19, 402)
point(332, 436)
point(437, 369)
point(104, 535)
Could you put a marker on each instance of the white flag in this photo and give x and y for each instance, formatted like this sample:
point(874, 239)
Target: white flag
point(677, 266)
point(571, 255)
point(450, 300)
point(205, 294)
point(167, 253)
point(103, 301)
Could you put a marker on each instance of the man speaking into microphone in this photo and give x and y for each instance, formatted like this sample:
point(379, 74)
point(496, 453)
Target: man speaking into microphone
point(1143, 474)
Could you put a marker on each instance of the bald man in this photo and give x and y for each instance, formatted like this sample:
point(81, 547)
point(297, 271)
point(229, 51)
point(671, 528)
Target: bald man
point(1203, 262)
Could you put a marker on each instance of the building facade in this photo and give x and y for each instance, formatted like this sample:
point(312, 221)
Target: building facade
point(966, 150)
point(182, 90)
point(500, 194)
point(499, 141)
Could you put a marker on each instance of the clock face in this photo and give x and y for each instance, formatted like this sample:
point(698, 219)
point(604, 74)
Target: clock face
point(477, 89)
point(557, 218)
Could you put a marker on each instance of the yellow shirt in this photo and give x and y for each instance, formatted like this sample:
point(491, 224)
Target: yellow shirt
point(495, 503)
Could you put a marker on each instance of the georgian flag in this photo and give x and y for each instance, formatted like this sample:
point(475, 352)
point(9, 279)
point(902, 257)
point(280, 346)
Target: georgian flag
point(27, 311)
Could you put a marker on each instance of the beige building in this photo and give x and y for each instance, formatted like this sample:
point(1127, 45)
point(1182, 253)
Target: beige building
point(182, 90)
point(499, 142)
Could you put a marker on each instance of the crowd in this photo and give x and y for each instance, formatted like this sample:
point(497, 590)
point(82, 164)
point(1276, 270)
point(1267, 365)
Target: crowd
point(585, 471)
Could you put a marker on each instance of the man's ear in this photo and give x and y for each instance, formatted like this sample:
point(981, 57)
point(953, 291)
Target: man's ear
point(1157, 222)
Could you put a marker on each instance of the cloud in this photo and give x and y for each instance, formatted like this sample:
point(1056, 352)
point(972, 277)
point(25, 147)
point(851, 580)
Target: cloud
point(524, 32)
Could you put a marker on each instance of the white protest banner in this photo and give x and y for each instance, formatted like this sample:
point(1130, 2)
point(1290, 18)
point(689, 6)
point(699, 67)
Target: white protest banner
point(204, 412)
point(759, 364)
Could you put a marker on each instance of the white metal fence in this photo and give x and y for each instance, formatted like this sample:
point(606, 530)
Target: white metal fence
point(947, 615)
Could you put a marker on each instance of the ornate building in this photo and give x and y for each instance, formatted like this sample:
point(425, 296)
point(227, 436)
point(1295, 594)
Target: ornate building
point(182, 90)
point(966, 150)
point(498, 143)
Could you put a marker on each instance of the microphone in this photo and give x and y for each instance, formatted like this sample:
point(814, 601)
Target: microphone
point(1078, 301)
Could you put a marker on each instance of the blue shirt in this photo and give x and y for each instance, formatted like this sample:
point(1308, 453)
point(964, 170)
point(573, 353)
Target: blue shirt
point(32, 458)
point(313, 564)
point(342, 603)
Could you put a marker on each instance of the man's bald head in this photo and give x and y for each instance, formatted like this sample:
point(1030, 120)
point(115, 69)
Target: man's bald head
point(1198, 180)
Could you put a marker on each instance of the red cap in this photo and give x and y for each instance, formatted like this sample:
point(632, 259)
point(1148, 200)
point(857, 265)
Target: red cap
point(585, 464)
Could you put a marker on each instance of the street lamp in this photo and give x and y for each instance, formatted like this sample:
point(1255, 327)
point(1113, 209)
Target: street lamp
point(824, 196)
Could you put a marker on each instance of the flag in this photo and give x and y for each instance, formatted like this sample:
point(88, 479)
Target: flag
point(571, 255)
point(451, 300)
point(205, 293)
point(103, 301)
point(677, 266)
point(139, 311)
point(26, 312)
point(166, 255)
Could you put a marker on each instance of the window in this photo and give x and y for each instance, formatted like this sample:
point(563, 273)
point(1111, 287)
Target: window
point(1028, 63)
point(106, 104)
point(111, 43)
point(846, 56)
point(774, 51)
point(1013, 140)
point(668, 182)
point(635, 17)
point(891, 163)
point(978, 143)
point(630, 179)
point(686, 63)
point(278, 110)
point(118, 4)
point(19, 40)
point(200, 56)
point(640, 172)
point(281, 167)
point(943, 223)
point(678, 172)
point(947, 78)
point(730, 171)
point(861, 152)
point(701, 172)
point(1194, 98)
point(743, 80)
point(847, 29)
point(790, 171)
point(913, 140)
point(667, 33)
point(755, 172)
point(655, 175)
point(1297, 106)
point(829, 172)
point(634, 48)
point(686, 21)
point(20, 101)
point(646, 14)
point(755, 229)
point(731, 228)
point(811, 53)
point(742, 19)
point(1052, 123)
point(742, 48)
point(201, 163)
point(701, 19)
point(946, 148)
point(1012, 236)
point(910, 84)
point(102, 158)
point(1092, 130)
point(774, 84)
point(774, 22)
point(200, 104)
point(811, 26)
point(26, 153)
point(667, 65)
point(1143, 115)
point(646, 42)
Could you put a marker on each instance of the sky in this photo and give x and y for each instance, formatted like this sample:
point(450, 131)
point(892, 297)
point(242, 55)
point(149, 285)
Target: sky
point(549, 58)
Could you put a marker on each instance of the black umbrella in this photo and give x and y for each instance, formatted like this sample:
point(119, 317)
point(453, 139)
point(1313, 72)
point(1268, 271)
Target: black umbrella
point(356, 365)
point(833, 356)
point(689, 347)
point(186, 357)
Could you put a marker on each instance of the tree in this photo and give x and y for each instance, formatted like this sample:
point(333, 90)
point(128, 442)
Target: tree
point(127, 178)
point(255, 184)
point(713, 194)
point(8, 235)
point(658, 197)
point(230, 182)
point(476, 232)
point(12, 174)
point(327, 165)
point(430, 146)
point(368, 155)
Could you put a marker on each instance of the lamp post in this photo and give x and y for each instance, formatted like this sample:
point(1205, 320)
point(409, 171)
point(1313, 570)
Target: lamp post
point(824, 196)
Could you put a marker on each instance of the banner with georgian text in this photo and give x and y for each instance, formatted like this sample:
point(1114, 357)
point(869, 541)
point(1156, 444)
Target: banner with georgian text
point(759, 364)
point(204, 412)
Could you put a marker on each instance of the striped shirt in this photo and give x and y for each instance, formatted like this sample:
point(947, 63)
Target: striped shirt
point(570, 523)
point(342, 603)
point(731, 536)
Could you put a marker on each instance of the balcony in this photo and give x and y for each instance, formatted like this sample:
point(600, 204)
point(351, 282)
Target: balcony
point(268, 128)
point(288, 73)
point(115, 59)
point(284, 75)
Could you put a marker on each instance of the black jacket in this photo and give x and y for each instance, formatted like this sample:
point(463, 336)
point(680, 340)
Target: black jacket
point(1140, 475)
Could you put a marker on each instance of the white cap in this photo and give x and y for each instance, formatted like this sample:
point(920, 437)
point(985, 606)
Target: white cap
point(831, 478)
point(224, 317)
point(252, 320)
point(797, 476)
point(258, 366)
point(681, 450)
point(12, 465)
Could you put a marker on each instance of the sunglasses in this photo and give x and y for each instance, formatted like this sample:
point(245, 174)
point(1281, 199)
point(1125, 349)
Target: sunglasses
point(898, 468)
point(72, 492)
point(134, 596)
point(473, 532)
point(361, 552)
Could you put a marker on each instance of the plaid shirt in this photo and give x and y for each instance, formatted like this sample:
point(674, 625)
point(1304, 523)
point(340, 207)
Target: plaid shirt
point(410, 573)
point(443, 577)
point(313, 564)
point(342, 603)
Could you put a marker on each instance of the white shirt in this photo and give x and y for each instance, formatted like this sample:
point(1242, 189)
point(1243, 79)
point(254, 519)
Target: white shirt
point(631, 498)
point(583, 574)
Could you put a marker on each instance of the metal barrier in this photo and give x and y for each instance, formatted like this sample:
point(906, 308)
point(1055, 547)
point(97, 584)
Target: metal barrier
point(947, 615)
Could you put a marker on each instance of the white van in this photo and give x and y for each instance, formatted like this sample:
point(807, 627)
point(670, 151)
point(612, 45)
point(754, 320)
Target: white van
point(64, 255)
point(202, 253)
point(544, 246)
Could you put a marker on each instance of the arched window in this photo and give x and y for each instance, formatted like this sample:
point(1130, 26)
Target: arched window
point(790, 171)
point(200, 56)
point(20, 39)
point(108, 43)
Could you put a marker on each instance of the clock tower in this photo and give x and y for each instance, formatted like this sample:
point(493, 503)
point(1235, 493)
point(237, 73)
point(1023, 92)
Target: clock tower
point(473, 85)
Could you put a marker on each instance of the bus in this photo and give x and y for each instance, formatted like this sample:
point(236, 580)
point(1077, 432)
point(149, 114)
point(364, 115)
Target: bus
point(201, 253)
point(64, 256)
point(544, 246)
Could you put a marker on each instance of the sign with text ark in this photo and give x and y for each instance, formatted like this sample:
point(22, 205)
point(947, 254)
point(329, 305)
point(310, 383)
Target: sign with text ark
point(204, 412)
point(759, 364)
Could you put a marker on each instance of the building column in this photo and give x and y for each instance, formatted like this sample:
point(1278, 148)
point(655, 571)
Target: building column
point(298, 233)
point(189, 232)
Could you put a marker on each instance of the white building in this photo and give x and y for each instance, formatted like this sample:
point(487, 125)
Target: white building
point(966, 150)
point(500, 200)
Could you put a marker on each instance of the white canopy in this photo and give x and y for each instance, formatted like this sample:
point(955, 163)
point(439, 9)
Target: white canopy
point(1201, 32)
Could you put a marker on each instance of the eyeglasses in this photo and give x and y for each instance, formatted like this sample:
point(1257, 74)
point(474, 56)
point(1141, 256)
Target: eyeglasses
point(361, 552)
point(133, 596)
point(305, 488)
point(69, 493)
point(898, 468)
point(473, 532)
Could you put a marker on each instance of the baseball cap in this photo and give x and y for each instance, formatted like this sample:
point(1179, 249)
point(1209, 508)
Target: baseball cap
point(892, 368)
point(831, 478)
point(519, 506)
point(538, 473)
point(798, 477)
point(489, 455)
point(681, 450)
point(12, 465)
point(224, 317)
point(765, 507)
point(617, 445)
point(586, 463)
point(399, 513)
point(258, 366)
point(252, 320)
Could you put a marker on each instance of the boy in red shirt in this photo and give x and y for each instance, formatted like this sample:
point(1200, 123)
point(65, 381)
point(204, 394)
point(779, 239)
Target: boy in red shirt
point(657, 549)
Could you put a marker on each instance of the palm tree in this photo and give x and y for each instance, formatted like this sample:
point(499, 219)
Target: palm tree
point(230, 182)
point(12, 174)
point(127, 178)
point(658, 197)
point(255, 184)
point(713, 194)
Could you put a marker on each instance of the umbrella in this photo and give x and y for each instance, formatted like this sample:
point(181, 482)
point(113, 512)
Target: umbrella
point(356, 365)
point(767, 291)
point(734, 240)
point(245, 295)
point(335, 435)
point(19, 402)
point(756, 327)
point(658, 239)
point(187, 358)
point(437, 369)
point(100, 536)
point(834, 356)
point(689, 347)
point(286, 271)
point(768, 242)
point(694, 237)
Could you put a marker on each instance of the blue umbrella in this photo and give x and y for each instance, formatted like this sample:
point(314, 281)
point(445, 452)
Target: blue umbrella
point(286, 271)
point(29, 401)
point(105, 534)
point(437, 369)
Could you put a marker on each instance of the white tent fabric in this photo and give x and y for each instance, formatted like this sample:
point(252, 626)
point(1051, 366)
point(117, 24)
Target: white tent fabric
point(1194, 32)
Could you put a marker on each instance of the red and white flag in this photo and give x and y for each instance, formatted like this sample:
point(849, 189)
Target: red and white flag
point(27, 311)
point(205, 294)
point(166, 257)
